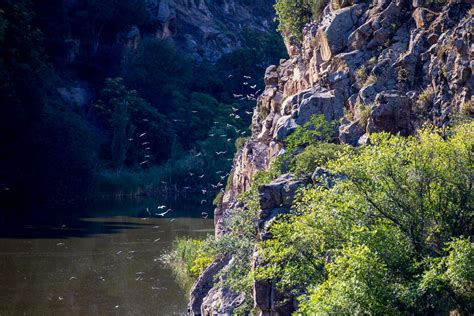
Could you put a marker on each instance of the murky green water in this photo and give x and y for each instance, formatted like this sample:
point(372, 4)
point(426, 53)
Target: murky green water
point(102, 261)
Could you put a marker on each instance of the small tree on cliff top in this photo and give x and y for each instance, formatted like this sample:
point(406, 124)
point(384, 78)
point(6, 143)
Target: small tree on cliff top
point(292, 15)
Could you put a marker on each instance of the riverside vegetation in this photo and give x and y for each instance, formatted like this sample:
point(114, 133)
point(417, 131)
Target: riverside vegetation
point(388, 234)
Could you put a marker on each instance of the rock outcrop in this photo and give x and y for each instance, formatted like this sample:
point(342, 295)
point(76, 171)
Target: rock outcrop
point(405, 62)
point(209, 29)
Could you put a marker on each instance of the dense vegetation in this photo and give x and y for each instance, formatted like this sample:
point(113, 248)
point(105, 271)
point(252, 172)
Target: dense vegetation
point(156, 118)
point(389, 233)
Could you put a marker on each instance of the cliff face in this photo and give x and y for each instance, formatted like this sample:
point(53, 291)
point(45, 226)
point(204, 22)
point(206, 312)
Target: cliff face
point(378, 66)
point(209, 29)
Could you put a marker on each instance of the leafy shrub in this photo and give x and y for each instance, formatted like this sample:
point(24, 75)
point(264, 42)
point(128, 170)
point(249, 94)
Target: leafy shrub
point(314, 156)
point(361, 74)
point(315, 131)
point(467, 108)
point(425, 98)
point(402, 75)
point(218, 199)
point(387, 238)
point(362, 77)
point(294, 14)
point(188, 260)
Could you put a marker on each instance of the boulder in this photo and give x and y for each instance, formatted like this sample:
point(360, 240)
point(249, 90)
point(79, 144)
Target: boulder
point(350, 133)
point(284, 127)
point(335, 29)
point(221, 300)
point(391, 114)
point(318, 101)
point(280, 192)
point(271, 76)
point(423, 17)
point(204, 284)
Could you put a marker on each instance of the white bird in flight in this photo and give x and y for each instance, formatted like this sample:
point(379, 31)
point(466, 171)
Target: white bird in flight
point(164, 213)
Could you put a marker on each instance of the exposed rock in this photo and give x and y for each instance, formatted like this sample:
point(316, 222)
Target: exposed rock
point(391, 114)
point(271, 76)
point(335, 28)
point(78, 95)
point(319, 101)
point(350, 133)
point(280, 192)
point(203, 286)
point(206, 23)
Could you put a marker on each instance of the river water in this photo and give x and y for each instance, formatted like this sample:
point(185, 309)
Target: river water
point(101, 260)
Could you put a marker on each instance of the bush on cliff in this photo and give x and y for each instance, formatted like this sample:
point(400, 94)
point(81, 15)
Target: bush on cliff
point(188, 260)
point(294, 14)
point(391, 237)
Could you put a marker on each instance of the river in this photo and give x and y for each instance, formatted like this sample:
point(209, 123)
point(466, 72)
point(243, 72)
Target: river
point(101, 260)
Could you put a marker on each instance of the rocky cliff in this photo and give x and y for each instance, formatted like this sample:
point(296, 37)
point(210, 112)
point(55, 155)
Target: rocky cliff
point(209, 29)
point(375, 66)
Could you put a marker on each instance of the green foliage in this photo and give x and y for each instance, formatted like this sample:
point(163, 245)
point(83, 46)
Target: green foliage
point(357, 283)
point(126, 115)
point(452, 276)
point(293, 15)
point(188, 260)
point(148, 71)
point(308, 146)
point(313, 156)
point(362, 111)
point(315, 131)
point(386, 238)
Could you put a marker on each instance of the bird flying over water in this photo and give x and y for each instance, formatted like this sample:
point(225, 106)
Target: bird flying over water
point(141, 135)
point(164, 213)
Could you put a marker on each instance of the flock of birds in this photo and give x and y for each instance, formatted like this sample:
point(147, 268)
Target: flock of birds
point(146, 145)
point(220, 174)
point(247, 96)
point(204, 215)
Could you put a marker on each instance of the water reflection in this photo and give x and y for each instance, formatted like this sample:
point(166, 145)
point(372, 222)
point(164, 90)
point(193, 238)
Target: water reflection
point(104, 262)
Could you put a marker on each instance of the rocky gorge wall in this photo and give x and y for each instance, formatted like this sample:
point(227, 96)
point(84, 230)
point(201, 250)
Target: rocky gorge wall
point(209, 29)
point(375, 66)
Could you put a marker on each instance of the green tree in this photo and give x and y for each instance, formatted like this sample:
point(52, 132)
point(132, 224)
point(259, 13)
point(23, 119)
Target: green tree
point(387, 237)
point(294, 14)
